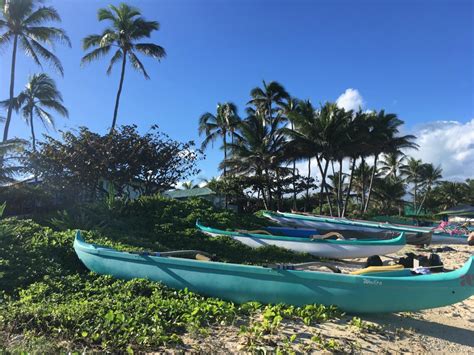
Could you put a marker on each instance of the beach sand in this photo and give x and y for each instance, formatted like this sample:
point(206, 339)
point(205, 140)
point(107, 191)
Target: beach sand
point(442, 330)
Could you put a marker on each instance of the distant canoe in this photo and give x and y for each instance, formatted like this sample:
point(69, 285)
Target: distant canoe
point(352, 228)
point(326, 248)
point(389, 291)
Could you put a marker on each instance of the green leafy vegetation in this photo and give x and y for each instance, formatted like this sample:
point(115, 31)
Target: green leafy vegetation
point(55, 304)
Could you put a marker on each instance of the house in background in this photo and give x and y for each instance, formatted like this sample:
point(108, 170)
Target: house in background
point(201, 192)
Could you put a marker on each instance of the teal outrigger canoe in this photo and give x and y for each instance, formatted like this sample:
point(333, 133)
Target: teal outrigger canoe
point(389, 291)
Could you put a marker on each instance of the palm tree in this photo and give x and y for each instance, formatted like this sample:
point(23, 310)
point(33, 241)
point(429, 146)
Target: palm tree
point(391, 163)
point(222, 124)
point(384, 139)
point(389, 192)
point(265, 99)
point(430, 176)
point(259, 152)
point(303, 137)
point(332, 138)
point(452, 193)
point(24, 23)
point(127, 27)
point(40, 94)
point(289, 109)
point(356, 146)
point(413, 170)
point(10, 153)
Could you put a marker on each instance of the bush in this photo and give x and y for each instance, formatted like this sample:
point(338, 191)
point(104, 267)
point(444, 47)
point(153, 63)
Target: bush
point(56, 305)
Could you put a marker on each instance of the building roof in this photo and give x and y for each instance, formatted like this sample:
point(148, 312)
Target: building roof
point(196, 192)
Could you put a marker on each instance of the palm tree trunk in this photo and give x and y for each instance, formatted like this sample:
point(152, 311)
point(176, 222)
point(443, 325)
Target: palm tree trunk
point(362, 195)
point(325, 186)
point(339, 190)
point(117, 100)
point(295, 207)
point(306, 205)
point(12, 89)
point(344, 209)
point(224, 137)
point(269, 189)
point(422, 201)
point(374, 170)
point(225, 167)
point(294, 176)
point(414, 196)
point(321, 190)
point(336, 186)
point(33, 137)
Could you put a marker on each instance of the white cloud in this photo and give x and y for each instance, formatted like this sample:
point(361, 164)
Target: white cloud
point(449, 144)
point(351, 99)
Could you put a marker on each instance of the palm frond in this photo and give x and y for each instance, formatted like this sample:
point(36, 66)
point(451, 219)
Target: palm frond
point(91, 41)
point(56, 106)
point(45, 117)
point(117, 56)
point(151, 50)
point(29, 51)
point(137, 64)
point(48, 35)
point(105, 14)
point(141, 28)
point(48, 56)
point(43, 14)
point(5, 38)
point(95, 54)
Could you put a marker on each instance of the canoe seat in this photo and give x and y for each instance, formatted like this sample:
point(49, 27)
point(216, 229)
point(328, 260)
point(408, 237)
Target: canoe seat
point(327, 236)
point(374, 269)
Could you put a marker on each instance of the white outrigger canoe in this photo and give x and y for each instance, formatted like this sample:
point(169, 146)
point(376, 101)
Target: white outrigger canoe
point(315, 245)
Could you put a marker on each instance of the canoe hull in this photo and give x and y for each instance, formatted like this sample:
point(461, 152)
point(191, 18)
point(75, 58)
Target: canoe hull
point(242, 283)
point(323, 250)
point(351, 230)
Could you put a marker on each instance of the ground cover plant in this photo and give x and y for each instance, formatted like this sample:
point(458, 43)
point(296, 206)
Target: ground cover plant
point(51, 302)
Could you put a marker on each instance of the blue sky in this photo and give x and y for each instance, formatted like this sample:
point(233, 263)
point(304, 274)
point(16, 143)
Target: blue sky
point(414, 58)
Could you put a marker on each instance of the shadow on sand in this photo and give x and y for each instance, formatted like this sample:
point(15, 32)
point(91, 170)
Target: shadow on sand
point(426, 327)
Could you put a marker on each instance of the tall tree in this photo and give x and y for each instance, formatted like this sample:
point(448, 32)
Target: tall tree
point(259, 152)
point(39, 96)
point(24, 24)
point(219, 125)
point(391, 163)
point(127, 27)
point(10, 151)
point(413, 170)
point(268, 100)
point(385, 139)
point(289, 109)
point(429, 177)
point(355, 147)
point(304, 139)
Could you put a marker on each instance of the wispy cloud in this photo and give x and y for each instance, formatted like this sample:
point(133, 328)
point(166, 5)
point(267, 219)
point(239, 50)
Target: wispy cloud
point(449, 144)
